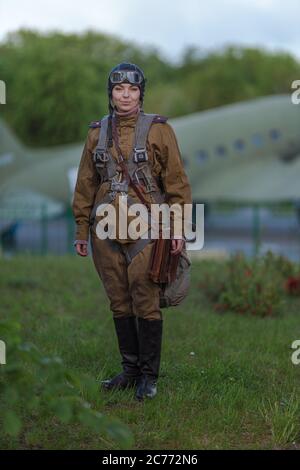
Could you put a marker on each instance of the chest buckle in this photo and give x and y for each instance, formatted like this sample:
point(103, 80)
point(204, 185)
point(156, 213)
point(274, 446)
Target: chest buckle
point(140, 155)
point(100, 156)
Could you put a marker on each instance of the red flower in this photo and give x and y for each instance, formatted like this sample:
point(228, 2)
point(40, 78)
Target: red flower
point(292, 285)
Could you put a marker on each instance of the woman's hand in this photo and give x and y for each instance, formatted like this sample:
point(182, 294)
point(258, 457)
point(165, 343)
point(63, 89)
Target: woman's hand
point(177, 246)
point(81, 248)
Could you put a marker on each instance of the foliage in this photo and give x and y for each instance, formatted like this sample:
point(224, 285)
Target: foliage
point(255, 286)
point(237, 390)
point(235, 73)
point(56, 83)
point(43, 386)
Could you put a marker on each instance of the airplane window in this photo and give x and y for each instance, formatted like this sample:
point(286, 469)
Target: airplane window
point(220, 150)
point(257, 140)
point(274, 134)
point(201, 156)
point(239, 144)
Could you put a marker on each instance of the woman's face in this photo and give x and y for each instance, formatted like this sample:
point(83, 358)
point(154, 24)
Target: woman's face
point(125, 96)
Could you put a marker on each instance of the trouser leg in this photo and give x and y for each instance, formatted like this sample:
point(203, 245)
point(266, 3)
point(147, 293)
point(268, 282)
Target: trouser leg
point(131, 291)
point(145, 301)
point(112, 269)
point(144, 292)
point(111, 266)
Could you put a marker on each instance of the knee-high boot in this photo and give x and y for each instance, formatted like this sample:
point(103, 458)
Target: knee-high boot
point(126, 330)
point(150, 340)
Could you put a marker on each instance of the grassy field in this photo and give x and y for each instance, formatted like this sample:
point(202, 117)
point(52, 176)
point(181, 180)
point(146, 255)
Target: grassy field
point(238, 390)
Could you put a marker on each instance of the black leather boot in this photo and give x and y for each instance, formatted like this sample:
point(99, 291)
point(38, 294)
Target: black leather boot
point(150, 339)
point(126, 329)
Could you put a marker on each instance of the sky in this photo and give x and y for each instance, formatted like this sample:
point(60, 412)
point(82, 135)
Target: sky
point(168, 25)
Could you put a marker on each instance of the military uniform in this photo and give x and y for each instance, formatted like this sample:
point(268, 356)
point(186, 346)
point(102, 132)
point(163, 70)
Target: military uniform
point(134, 298)
point(129, 289)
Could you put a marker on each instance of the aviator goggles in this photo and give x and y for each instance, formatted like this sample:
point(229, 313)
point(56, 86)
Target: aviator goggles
point(135, 78)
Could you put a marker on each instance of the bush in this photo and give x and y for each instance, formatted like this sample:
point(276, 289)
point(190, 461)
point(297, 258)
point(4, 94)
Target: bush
point(44, 386)
point(255, 287)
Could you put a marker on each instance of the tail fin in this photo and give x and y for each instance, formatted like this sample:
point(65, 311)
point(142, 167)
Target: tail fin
point(12, 151)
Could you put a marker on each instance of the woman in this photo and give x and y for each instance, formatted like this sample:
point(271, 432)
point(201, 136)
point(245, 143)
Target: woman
point(133, 154)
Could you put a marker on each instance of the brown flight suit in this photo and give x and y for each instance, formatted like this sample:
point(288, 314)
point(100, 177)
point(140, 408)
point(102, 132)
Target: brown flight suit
point(128, 286)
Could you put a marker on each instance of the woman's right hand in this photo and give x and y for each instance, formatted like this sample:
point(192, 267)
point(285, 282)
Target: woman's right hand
point(81, 249)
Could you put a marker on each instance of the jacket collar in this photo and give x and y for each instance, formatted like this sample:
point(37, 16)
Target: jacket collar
point(127, 121)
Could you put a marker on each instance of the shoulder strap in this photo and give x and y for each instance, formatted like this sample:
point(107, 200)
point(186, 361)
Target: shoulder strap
point(142, 128)
point(101, 156)
point(102, 141)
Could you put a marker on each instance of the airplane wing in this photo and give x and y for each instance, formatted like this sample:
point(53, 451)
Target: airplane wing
point(263, 178)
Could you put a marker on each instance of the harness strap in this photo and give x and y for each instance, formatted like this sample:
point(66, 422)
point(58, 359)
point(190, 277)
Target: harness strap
point(142, 129)
point(102, 141)
point(140, 156)
point(133, 185)
point(106, 165)
point(121, 162)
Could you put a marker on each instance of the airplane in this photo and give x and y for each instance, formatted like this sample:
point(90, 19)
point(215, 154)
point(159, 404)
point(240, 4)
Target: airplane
point(34, 183)
point(245, 152)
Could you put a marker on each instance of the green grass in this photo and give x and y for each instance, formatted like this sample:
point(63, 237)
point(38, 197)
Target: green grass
point(237, 391)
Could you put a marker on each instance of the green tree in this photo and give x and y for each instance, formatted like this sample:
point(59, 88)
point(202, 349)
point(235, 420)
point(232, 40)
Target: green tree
point(56, 83)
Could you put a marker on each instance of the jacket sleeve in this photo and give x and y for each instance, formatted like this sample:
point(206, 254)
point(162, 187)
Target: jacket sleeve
point(86, 188)
point(174, 178)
